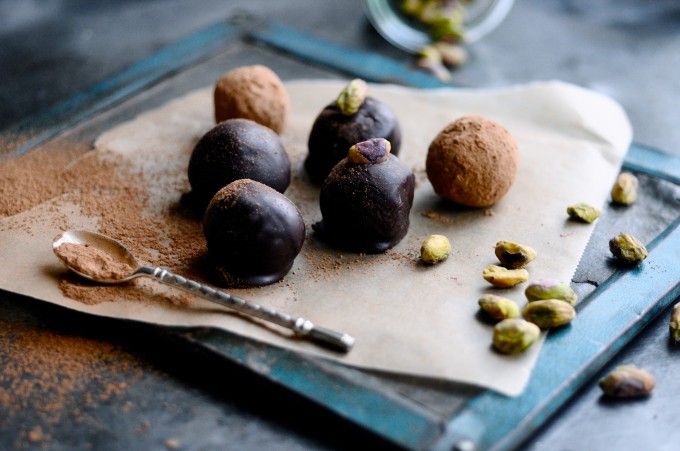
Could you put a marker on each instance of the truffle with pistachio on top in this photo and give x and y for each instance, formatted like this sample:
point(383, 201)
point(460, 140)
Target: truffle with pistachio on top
point(366, 199)
point(353, 117)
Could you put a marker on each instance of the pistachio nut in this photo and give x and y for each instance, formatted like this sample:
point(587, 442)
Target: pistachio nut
point(372, 151)
point(627, 381)
point(351, 98)
point(675, 324)
point(453, 55)
point(514, 255)
point(624, 191)
point(498, 308)
point(550, 289)
point(514, 335)
point(430, 59)
point(627, 247)
point(503, 277)
point(434, 249)
point(583, 212)
point(549, 313)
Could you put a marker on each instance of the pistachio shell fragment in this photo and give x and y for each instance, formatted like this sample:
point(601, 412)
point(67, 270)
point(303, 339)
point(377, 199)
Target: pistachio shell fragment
point(513, 255)
point(549, 313)
point(550, 289)
point(498, 308)
point(675, 324)
point(627, 381)
point(624, 191)
point(435, 249)
point(627, 247)
point(351, 98)
point(503, 277)
point(583, 212)
point(514, 335)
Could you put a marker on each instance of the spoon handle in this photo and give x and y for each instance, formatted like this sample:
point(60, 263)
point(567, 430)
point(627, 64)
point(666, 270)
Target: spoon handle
point(302, 327)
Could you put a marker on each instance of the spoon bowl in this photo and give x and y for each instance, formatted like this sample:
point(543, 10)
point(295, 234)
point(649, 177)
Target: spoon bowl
point(104, 260)
point(103, 243)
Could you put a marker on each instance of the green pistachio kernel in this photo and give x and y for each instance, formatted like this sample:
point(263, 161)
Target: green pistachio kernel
point(627, 247)
point(498, 308)
point(624, 191)
point(503, 277)
point(550, 289)
point(514, 335)
point(435, 249)
point(351, 98)
point(549, 313)
point(583, 212)
point(513, 255)
point(674, 324)
point(627, 381)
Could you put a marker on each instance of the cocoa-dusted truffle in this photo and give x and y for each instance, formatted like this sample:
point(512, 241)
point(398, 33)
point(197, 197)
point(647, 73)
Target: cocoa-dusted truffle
point(352, 118)
point(473, 162)
point(252, 92)
point(236, 149)
point(366, 199)
point(253, 234)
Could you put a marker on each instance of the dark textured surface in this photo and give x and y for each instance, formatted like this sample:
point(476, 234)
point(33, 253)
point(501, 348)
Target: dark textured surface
point(628, 49)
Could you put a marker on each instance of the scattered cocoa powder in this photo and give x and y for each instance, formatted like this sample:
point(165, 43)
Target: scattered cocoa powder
point(48, 377)
point(434, 215)
point(108, 187)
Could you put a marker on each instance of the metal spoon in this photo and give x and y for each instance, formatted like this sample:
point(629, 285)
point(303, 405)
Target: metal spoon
point(300, 326)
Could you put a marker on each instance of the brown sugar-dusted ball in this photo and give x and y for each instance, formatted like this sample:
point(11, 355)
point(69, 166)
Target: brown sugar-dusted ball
point(255, 93)
point(473, 162)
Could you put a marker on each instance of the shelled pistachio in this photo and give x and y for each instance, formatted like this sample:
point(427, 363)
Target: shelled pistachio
point(627, 381)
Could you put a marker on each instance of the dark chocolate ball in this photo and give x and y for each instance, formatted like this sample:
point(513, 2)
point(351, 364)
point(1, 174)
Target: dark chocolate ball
point(333, 133)
point(253, 234)
point(365, 207)
point(237, 149)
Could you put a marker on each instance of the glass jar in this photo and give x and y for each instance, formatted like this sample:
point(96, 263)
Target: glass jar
point(481, 17)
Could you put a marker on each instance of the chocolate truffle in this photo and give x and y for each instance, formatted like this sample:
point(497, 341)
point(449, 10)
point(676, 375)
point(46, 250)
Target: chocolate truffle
point(252, 92)
point(352, 118)
point(473, 162)
point(366, 199)
point(236, 149)
point(253, 234)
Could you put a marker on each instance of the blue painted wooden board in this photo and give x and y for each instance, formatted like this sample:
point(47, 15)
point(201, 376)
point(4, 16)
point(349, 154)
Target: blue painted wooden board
point(607, 320)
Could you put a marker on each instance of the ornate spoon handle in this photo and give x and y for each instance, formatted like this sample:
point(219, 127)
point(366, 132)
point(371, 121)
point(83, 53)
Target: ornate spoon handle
point(302, 327)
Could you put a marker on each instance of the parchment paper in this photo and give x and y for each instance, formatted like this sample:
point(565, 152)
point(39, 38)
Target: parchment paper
point(406, 317)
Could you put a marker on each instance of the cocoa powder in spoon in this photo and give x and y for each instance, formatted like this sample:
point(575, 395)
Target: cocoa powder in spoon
point(93, 262)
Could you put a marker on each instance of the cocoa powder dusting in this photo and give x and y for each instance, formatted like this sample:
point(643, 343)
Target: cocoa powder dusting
point(109, 187)
point(93, 262)
point(49, 378)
